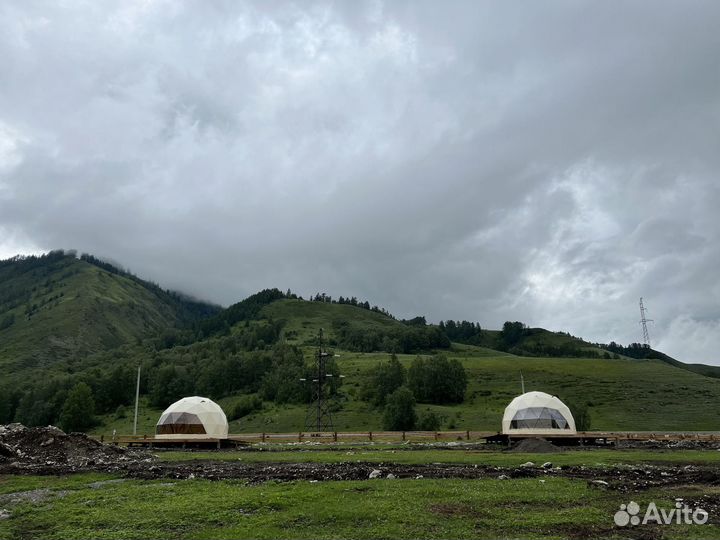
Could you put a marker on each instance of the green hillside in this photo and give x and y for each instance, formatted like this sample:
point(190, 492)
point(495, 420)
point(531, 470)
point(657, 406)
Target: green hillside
point(58, 308)
point(620, 394)
point(66, 320)
point(302, 320)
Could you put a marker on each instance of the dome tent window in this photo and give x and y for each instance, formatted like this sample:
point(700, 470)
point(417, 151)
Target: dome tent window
point(537, 413)
point(193, 417)
point(179, 423)
point(539, 418)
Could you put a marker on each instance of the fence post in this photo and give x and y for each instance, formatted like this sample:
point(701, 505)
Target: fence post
point(403, 436)
point(467, 434)
point(335, 436)
point(370, 435)
point(300, 436)
point(263, 437)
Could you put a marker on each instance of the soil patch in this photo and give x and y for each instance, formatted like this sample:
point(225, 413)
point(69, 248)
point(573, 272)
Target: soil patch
point(535, 446)
point(50, 446)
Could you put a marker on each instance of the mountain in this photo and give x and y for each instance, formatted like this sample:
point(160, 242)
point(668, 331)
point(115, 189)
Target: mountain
point(66, 320)
point(58, 307)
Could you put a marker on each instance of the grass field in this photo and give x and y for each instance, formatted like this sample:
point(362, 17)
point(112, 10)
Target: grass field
point(588, 458)
point(79, 507)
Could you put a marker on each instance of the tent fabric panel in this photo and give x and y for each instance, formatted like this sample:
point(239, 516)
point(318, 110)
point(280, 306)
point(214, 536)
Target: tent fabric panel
point(191, 429)
point(199, 411)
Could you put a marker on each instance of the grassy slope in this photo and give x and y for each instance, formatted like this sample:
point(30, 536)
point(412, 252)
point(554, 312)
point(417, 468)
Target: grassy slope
point(304, 319)
point(97, 311)
point(623, 394)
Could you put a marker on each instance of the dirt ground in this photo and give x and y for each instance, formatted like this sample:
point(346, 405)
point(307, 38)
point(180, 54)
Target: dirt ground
point(49, 451)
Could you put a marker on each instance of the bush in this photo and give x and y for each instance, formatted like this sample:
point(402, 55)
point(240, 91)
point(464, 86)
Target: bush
point(400, 410)
point(246, 405)
point(430, 421)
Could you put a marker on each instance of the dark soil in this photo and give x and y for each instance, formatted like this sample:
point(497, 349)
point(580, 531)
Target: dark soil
point(51, 447)
point(535, 446)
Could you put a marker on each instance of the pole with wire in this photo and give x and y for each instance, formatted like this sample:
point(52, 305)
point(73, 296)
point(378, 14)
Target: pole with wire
point(319, 417)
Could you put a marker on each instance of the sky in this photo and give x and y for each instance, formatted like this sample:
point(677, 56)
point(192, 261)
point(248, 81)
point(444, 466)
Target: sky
point(548, 162)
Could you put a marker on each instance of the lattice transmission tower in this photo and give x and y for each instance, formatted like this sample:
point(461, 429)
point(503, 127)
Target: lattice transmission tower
point(319, 417)
point(643, 321)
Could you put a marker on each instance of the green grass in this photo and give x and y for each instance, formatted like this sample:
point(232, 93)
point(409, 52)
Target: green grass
point(305, 319)
point(489, 508)
point(634, 395)
point(590, 458)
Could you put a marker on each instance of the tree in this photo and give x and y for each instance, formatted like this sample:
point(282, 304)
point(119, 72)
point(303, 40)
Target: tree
point(77, 412)
point(437, 380)
point(400, 410)
point(512, 333)
point(384, 379)
point(581, 414)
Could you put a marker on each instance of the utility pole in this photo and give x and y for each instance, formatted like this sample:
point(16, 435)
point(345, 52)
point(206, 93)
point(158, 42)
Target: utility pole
point(522, 382)
point(318, 417)
point(137, 401)
point(643, 322)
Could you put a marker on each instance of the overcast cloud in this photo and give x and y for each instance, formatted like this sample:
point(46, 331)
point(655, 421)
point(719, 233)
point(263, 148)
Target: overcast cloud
point(548, 162)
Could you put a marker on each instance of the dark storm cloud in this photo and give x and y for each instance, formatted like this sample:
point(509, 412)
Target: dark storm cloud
point(547, 162)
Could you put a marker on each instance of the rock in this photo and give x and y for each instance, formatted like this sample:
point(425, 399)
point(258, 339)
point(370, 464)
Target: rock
point(600, 483)
point(542, 481)
point(503, 477)
point(528, 464)
point(48, 442)
point(191, 476)
point(547, 465)
point(375, 474)
point(419, 476)
point(390, 476)
point(4, 514)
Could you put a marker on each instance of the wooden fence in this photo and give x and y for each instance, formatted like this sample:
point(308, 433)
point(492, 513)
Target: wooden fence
point(401, 436)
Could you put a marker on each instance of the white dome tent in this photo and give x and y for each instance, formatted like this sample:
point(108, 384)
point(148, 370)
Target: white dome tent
point(192, 418)
point(539, 414)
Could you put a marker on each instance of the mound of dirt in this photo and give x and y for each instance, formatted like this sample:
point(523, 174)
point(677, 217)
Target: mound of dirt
point(534, 446)
point(51, 446)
